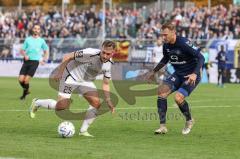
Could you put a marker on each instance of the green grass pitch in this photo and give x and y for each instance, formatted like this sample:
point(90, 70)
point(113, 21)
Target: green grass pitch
point(126, 135)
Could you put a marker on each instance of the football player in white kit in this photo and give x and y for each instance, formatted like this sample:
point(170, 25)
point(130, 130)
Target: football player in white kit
point(77, 72)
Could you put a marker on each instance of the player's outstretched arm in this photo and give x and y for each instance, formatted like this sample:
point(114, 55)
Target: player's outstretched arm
point(66, 58)
point(45, 57)
point(45, 49)
point(23, 52)
point(160, 65)
point(106, 90)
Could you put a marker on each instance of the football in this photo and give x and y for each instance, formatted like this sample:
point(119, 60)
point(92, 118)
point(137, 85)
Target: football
point(66, 129)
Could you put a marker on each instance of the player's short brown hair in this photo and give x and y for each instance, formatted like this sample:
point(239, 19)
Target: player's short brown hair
point(109, 43)
point(169, 25)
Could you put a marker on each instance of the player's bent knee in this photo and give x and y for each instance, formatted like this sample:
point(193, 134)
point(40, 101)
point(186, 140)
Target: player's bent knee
point(21, 78)
point(163, 95)
point(63, 104)
point(93, 99)
point(95, 103)
point(163, 91)
point(179, 98)
point(27, 79)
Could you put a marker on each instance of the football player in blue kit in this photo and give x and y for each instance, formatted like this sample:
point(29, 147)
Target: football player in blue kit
point(187, 61)
point(221, 58)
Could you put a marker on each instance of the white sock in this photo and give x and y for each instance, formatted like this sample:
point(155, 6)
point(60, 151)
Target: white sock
point(46, 103)
point(91, 115)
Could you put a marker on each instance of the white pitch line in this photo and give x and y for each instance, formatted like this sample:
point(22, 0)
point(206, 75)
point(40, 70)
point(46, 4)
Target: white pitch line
point(9, 158)
point(134, 108)
point(174, 107)
point(213, 100)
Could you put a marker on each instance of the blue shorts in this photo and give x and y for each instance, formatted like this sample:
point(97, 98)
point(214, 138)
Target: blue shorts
point(178, 83)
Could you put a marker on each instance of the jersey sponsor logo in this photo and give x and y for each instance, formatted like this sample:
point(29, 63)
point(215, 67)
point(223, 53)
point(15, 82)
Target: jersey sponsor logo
point(174, 60)
point(178, 63)
point(174, 57)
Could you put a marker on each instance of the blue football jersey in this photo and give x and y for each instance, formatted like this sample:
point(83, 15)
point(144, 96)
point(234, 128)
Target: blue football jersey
point(221, 57)
point(185, 57)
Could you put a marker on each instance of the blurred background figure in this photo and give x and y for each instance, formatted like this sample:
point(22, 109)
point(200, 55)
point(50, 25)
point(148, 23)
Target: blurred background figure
point(206, 62)
point(32, 54)
point(221, 59)
point(157, 55)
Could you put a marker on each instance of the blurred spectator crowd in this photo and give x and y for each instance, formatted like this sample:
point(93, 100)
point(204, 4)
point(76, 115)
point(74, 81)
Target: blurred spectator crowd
point(194, 23)
point(142, 23)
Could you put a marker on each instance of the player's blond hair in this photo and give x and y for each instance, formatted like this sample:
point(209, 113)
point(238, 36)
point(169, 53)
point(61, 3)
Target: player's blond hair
point(109, 43)
point(169, 25)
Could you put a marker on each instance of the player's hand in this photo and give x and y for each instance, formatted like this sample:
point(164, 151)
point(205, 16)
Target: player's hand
point(150, 76)
point(42, 62)
point(191, 78)
point(111, 106)
point(26, 58)
point(210, 64)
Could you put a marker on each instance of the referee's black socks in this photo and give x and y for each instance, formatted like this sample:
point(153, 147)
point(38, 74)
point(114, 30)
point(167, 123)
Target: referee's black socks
point(25, 89)
point(22, 84)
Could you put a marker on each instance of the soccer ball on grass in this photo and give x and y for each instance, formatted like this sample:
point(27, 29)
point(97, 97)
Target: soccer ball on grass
point(66, 129)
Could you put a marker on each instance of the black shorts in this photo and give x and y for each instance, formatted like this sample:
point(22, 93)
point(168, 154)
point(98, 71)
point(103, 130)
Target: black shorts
point(29, 67)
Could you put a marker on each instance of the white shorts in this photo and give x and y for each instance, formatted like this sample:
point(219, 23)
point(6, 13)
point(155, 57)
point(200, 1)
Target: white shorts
point(68, 85)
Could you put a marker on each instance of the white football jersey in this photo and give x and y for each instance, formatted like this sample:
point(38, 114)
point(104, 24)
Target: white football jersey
point(87, 65)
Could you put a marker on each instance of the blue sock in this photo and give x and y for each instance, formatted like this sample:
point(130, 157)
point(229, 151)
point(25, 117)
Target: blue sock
point(162, 109)
point(185, 110)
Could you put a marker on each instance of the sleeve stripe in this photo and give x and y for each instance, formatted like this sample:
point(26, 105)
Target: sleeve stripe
point(69, 74)
point(106, 76)
point(95, 55)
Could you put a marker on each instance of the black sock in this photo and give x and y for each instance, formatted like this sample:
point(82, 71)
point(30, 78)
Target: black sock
point(218, 80)
point(26, 86)
point(22, 84)
point(223, 79)
point(162, 109)
point(25, 89)
point(185, 110)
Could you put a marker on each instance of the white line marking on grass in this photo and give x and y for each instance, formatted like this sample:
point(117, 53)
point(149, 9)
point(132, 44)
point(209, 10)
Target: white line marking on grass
point(213, 100)
point(133, 108)
point(173, 107)
point(9, 158)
